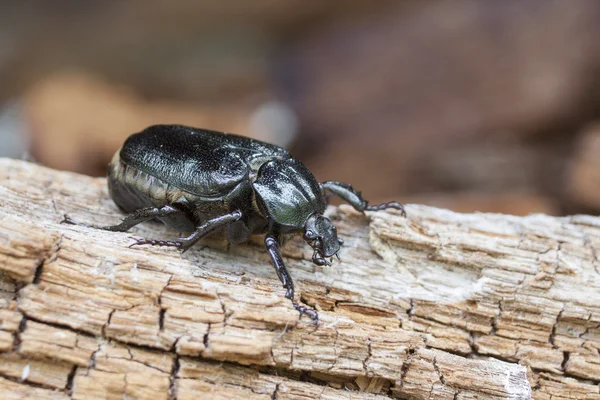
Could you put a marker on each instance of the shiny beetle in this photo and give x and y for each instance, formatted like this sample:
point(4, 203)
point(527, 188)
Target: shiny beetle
point(201, 181)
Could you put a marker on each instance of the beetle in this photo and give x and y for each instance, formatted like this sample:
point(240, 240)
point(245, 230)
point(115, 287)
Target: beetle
point(202, 181)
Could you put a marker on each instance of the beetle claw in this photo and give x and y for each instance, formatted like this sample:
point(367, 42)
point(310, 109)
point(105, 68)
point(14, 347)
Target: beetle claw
point(308, 311)
point(137, 241)
point(68, 220)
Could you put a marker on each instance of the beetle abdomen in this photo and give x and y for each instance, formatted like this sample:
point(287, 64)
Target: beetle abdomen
point(132, 189)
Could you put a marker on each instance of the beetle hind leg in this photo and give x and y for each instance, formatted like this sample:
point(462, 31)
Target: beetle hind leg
point(131, 220)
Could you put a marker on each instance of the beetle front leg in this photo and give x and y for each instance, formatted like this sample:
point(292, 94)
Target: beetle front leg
point(272, 245)
point(203, 230)
point(354, 198)
point(131, 220)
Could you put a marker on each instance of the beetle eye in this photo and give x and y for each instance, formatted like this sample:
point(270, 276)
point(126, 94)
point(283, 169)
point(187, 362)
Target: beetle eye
point(309, 235)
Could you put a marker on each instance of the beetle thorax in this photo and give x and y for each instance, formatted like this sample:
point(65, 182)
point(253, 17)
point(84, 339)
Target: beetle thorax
point(287, 194)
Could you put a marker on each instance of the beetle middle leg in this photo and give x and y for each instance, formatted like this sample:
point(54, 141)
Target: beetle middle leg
point(272, 245)
point(354, 198)
point(203, 230)
point(131, 220)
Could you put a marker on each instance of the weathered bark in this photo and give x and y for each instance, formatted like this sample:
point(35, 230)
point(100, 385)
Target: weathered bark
point(440, 305)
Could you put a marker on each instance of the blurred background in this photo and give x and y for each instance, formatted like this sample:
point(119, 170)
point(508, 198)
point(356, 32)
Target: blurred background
point(471, 105)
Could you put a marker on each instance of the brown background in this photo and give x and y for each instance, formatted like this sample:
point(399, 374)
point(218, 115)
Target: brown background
point(474, 106)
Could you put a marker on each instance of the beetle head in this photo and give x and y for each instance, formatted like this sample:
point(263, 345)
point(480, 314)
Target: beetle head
point(321, 235)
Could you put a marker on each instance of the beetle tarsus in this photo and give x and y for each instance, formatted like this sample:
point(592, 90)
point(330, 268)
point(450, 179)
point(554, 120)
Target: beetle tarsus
point(308, 311)
point(70, 221)
point(142, 241)
point(392, 204)
point(354, 198)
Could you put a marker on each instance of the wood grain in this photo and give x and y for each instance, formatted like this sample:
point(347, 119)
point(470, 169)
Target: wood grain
point(437, 306)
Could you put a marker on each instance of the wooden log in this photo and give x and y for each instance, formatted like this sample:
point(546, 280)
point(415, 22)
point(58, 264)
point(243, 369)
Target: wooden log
point(436, 306)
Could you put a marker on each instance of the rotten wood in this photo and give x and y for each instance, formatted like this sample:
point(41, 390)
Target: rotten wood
point(436, 306)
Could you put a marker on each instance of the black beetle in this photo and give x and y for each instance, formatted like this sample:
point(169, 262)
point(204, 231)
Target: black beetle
point(203, 181)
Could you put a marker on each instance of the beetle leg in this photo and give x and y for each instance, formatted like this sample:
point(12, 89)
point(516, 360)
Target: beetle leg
point(206, 228)
point(272, 245)
point(131, 220)
point(354, 198)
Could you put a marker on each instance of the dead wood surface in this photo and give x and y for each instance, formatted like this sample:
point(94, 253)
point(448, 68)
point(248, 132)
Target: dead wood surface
point(437, 306)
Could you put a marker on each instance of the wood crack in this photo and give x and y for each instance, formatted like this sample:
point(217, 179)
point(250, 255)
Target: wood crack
point(173, 379)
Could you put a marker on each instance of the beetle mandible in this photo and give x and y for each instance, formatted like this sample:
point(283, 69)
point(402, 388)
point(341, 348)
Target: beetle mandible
point(202, 181)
